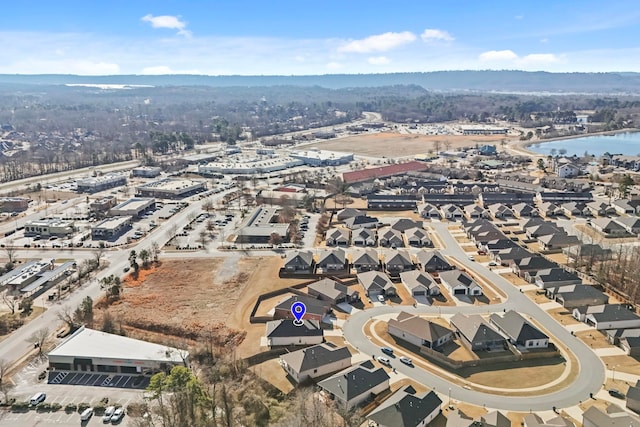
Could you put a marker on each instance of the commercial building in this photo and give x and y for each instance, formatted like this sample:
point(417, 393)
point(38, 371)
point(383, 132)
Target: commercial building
point(48, 227)
point(171, 188)
point(95, 351)
point(249, 166)
point(111, 228)
point(25, 274)
point(100, 183)
point(315, 157)
point(102, 206)
point(260, 226)
point(14, 204)
point(147, 171)
point(133, 207)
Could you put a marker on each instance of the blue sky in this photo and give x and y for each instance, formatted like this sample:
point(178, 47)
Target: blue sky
point(278, 37)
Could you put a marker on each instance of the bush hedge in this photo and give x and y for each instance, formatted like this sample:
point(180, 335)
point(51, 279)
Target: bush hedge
point(70, 407)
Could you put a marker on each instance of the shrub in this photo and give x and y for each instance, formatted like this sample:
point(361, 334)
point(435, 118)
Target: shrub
point(99, 409)
point(55, 407)
point(43, 407)
point(20, 406)
point(136, 409)
point(104, 400)
point(82, 406)
point(70, 407)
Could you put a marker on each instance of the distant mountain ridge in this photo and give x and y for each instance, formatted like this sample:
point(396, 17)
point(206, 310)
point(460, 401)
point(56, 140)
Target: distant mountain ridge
point(481, 81)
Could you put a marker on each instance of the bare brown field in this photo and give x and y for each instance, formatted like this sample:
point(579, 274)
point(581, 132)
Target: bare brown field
point(390, 144)
point(182, 297)
point(594, 339)
point(514, 279)
point(627, 364)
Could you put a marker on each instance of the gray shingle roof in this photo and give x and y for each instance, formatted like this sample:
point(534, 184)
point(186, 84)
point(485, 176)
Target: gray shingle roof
point(405, 408)
point(354, 381)
point(315, 356)
point(285, 328)
point(516, 327)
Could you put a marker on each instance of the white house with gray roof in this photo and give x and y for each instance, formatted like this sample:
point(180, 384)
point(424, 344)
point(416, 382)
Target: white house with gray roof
point(376, 283)
point(519, 331)
point(607, 316)
point(419, 283)
point(284, 332)
point(316, 361)
point(459, 283)
point(419, 331)
point(354, 386)
point(406, 408)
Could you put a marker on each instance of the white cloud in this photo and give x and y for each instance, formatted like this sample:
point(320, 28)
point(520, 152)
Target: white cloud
point(498, 55)
point(164, 69)
point(431, 35)
point(378, 43)
point(334, 65)
point(167, 21)
point(539, 58)
point(378, 60)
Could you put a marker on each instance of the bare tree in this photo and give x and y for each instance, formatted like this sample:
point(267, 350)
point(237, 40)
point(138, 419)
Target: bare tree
point(10, 250)
point(5, 386)
point(39, 338)
point(202, 238)
point(67, 316)
point(154, 251)
point(99, 254)
point(10, 301)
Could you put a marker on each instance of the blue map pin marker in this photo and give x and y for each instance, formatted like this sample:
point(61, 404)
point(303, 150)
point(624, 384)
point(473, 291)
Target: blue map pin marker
point(298, 309)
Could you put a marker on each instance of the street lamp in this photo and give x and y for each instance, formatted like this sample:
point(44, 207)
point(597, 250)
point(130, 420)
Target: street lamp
point(450, 405)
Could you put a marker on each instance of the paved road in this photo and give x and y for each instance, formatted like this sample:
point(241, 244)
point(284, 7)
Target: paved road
point(592, 371)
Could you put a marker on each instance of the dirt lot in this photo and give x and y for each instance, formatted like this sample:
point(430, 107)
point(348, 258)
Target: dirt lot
point(626, 364)
point(183, 297)
point(594, 339)
point(400, 145)
point(513, 278)
point(563, 316)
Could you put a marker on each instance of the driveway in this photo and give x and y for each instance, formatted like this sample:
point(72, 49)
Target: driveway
point(591, 375)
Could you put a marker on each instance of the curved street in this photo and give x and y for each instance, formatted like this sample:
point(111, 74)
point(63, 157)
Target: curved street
point(591, 374)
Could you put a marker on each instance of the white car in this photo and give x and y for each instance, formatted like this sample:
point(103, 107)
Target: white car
point(117, 415)
point(108, 413)
point(471, 258)
point(385, 361)
point(381, 298)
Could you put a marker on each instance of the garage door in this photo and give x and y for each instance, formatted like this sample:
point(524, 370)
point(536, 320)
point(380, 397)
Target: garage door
point(419, 293)
point(460, 292)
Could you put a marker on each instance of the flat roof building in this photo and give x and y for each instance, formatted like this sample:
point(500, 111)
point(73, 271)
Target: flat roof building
point(171, 188)
point(102, 182)
point(14, 204)
point(48, 227)
point(96, 351)
point(249, 166)
point(146, 171)
point(111, 228)
point(316, 157)
point(100, 206)
point(133, 207)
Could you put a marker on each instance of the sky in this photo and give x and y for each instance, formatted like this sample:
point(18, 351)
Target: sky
point(306, 37)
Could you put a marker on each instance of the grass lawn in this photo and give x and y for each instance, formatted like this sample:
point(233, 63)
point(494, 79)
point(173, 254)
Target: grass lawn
point(594, 339)
point(627, 364)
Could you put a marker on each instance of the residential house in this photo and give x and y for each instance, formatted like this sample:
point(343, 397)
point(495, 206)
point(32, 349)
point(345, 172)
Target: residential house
point(557, 241)
point(574, 209)
point(403, 224)
point(519, 332)
point(615, 335)
point(493, 419)
point(510, 255)
point(316, 309)
point(361, 221)
point(555, 277)
point(332, 260)
point(609, 227)
point(285, 332)
point(432, 261)
point(611, 417)
point(523, 210)
point(542, 229)
point(366, 260)
point(497, 245)
point(356, 385)
point(507, 198)
point(500, 211)
point(607, 316)
point(487, 150)
point(548, 209)
point(391, 202)
point(419, 331)
point(419, 283)
point(474, 211)
point(391, 239)
point(600, 208)
point(429, 211)
point(625, 206)
point(406, 408)
point(316, 361)
point(365, 237)
point(567, 170)
point(533, 221)
point(376, 283)
point(395, 262)
point(564, 196)
point(630, 223)
point(451, 212)
point(338, 237)
point(630, 345)
point(299, 262)
point(460, 283)
point(572, 296)
point(347, 213)
point(528, 267)
point(633, 398)
point(333, 292)
point(418, 237)
point(591, 252)
point(534, 420)
point(476, 334)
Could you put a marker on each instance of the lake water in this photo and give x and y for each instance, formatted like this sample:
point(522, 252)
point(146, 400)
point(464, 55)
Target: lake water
point(627, 143)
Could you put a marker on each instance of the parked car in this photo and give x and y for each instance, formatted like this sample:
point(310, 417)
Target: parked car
point(117, 416)
point(493, 263)
point(616, 393)
point(406, 361)
point(471, 258)
point(86, 414)
point(37, 399)
point(108, 413)
point(126, 269)
point(381, 298)
point(383, 360)
point(387, 350)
